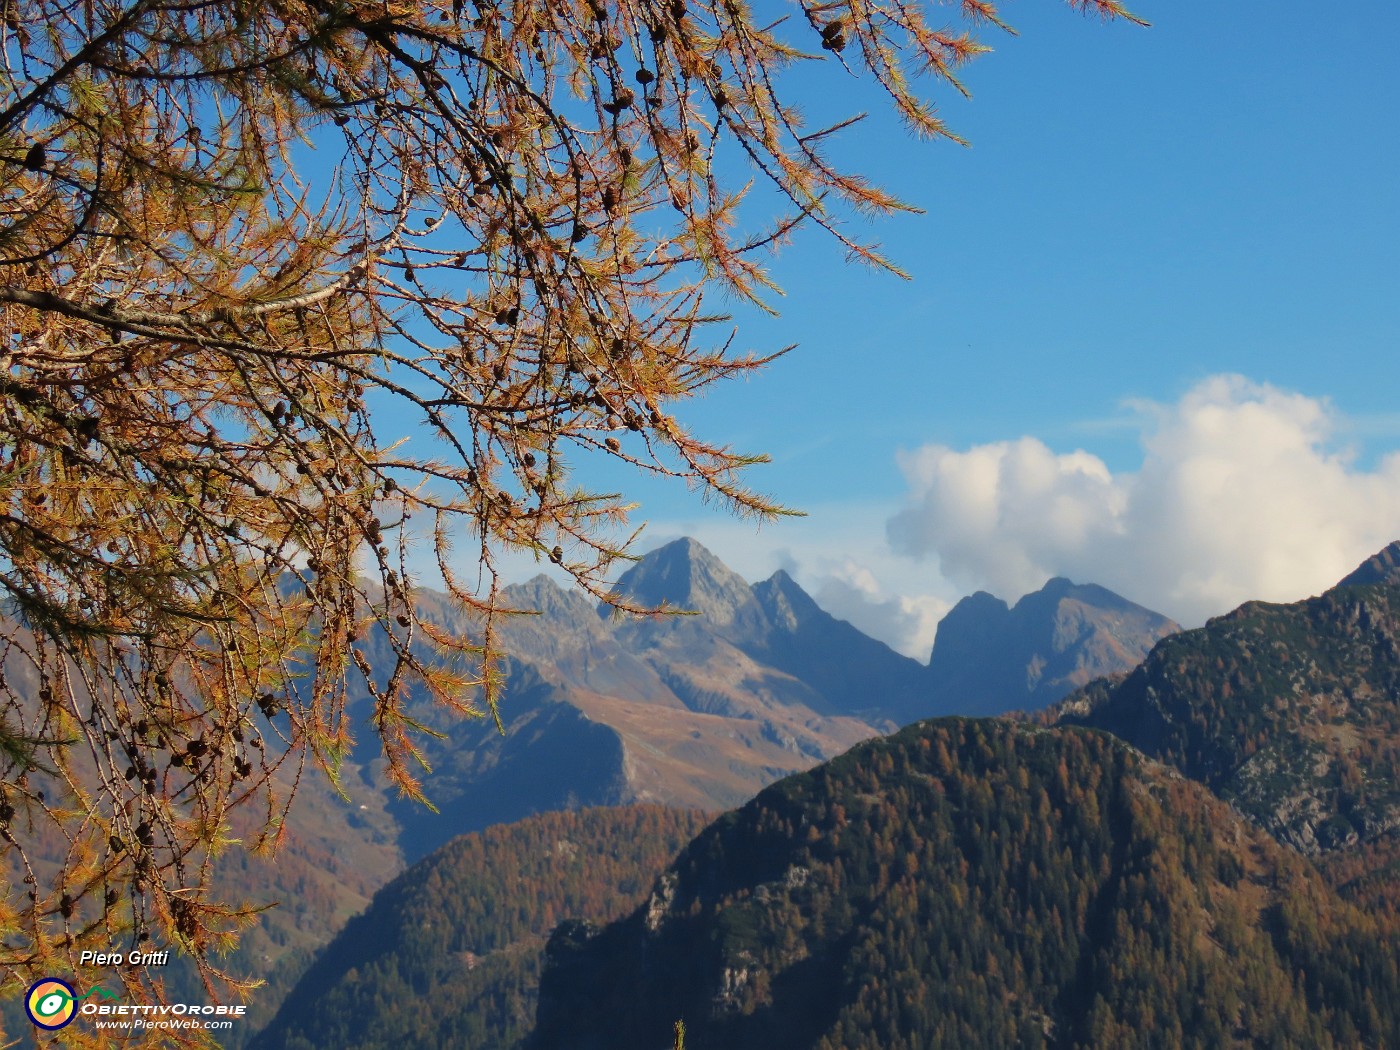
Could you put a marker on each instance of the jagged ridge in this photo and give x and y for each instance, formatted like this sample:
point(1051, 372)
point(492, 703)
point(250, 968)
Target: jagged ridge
point(1290, 712)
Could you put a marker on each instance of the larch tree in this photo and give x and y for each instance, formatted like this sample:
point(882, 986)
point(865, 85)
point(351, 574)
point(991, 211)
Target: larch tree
point(231, 233)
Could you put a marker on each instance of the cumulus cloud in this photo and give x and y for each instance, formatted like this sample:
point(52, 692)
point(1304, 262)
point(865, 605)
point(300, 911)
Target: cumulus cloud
point(1242, 493)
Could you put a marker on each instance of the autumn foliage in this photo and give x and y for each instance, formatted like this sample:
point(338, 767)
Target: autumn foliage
point(236, 239)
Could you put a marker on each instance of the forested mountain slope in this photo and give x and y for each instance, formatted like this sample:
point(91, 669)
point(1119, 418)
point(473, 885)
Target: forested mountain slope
point(968, 884)
point(1289, 712)
point(448, 955)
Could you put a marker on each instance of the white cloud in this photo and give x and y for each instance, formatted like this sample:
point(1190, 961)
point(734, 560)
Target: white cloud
point(1242, 494)
point(906, 623)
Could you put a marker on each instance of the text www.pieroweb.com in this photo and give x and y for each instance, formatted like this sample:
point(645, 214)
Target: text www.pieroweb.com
point(149, 1017)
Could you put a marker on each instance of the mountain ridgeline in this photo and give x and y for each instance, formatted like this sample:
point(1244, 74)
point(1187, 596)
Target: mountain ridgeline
point(741, 686)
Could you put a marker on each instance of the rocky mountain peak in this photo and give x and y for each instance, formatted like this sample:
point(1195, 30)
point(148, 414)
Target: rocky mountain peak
point(1059, 590)
point(785, 602)
point(684, 575)
point(989, 657)
point(964, 628)
point(1383, 567)
point(1055, 587)
point(544, 596)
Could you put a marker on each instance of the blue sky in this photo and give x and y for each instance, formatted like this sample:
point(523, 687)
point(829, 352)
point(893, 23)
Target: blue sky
point(1151, 338)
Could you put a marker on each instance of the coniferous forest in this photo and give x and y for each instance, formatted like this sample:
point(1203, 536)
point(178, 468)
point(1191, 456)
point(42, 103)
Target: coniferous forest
point(982, 884)
point(450, 953)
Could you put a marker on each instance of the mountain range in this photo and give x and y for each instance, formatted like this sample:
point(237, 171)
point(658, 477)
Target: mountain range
point(698, 708)
point(1036, 887)
point(734, 688)
point(1204, 851)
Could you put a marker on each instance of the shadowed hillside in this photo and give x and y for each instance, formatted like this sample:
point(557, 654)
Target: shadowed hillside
point(989, 659)
point(449, 953)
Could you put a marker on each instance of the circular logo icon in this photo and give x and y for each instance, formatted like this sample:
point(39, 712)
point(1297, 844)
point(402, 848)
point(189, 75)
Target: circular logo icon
point(50, 1003)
